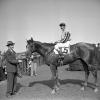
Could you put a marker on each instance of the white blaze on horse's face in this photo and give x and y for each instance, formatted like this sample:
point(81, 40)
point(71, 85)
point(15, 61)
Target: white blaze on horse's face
point(28, 50)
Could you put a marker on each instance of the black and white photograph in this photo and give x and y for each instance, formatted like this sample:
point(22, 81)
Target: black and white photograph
point(49, 49)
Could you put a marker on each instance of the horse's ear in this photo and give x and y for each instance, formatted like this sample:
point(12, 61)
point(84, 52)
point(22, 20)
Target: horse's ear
point(32, 39)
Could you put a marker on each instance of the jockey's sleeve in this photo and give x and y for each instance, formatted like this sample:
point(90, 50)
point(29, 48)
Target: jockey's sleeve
point(63, 39)
point(66, 37)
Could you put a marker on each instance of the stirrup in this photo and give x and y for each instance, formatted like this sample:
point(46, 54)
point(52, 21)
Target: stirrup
point(60, 60)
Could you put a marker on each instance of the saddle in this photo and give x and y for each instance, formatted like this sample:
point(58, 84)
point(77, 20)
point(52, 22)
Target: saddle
point(62, 47)
point(63, 50)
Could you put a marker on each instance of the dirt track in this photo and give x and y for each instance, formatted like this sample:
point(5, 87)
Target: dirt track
point(39, 87)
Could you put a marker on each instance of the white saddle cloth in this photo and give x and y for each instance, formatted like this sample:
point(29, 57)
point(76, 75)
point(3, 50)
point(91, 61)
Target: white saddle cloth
point(64, 47)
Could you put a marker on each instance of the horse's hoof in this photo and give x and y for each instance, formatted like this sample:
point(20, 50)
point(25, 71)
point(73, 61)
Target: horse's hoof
point(96, 90)
point(53, 91)
point(82, 88)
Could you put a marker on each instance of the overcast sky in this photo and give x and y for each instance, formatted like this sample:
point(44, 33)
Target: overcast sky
point(20, 19)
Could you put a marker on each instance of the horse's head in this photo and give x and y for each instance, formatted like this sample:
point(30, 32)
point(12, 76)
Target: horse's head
point(36, 46)
point(30, 47)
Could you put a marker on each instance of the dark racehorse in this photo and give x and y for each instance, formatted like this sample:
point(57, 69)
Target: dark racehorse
point(79, 51)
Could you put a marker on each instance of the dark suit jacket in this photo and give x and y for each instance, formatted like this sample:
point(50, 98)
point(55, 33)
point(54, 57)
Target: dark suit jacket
point(11, 61)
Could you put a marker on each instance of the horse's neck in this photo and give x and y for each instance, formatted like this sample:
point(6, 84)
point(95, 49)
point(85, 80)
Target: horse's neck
point(42, 50)
point(45, 50)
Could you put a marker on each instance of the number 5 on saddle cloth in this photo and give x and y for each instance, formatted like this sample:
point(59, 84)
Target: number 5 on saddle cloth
point(62, 48)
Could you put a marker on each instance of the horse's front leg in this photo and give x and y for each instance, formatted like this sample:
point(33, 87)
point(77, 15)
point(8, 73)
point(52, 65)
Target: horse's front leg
point(54, 78)
point(58, 83)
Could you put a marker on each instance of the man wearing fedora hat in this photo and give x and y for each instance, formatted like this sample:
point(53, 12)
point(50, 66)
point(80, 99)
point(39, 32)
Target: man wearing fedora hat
point(11, 63)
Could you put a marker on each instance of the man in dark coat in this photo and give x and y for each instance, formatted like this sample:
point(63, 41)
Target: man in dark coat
point(11, 63)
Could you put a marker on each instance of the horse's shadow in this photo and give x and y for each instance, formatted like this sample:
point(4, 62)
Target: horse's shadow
point(50, 83)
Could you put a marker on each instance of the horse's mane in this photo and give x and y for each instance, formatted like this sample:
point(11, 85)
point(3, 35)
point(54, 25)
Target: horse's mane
point(48, 44)
point(40, 43)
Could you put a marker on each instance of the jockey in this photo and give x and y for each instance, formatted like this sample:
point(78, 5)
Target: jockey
point(64, 43)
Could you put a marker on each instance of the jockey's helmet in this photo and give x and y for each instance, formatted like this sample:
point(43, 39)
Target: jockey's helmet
point(62, 24)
